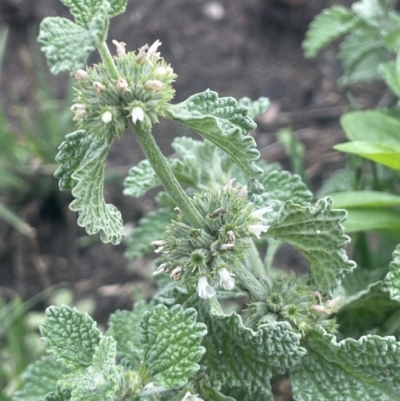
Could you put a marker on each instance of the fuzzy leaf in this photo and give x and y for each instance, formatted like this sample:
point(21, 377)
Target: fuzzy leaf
point(40, 378)
point(70, 335)
point(392, 279)
point(67, 45)
point(227, 125)
point(84, 10)
point(326, 27)
point(367, 310)
point(70, 155)
point(171, 339)
point(140, 179)
point(367, 369)
point(94, 214)
point(317, 233)
point(240, 357)
point(149, 228)
point(124, 328)
point(58, 395)
point(281, 186)
point(255, 107)
point(99, 381)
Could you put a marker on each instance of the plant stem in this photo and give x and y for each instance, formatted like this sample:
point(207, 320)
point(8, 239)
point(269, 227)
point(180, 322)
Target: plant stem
point(107, 59)
point(166, 176)
point(256, 288)
point(255, 263)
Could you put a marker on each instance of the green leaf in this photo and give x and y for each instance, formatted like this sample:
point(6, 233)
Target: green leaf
point(171, 339)
point(386, 154)
point(340, 181)
point(372, 126)
point(368, 219)
point(237, 356)
point(227, 125)
point(254, 107)
point(366, 310)
point(326, 27)
point(149, 228)
point(369, 10)
point(85, 10)
point(58, 395)
point(317, 233)
point(70, 156)
point(364, 199)
point(367, 369)
point(389, 74)
point(140, 179)
point(102, 380)
point(94, 214)
point(392, 279)
point(281, 186)
point(125, 329)
point(70, 335)
point(39, 379)
point(68, 45)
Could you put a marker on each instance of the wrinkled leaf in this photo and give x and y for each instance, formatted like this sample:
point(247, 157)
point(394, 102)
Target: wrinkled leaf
point(70, 335)
point(255, 107)
point(318, 234)
point(140, 179)
point(392, 279)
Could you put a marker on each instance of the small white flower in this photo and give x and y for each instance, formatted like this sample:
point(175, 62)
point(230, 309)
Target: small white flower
point(226, 279)
point(153, 49)
point(321, 309)
point(225, 247)
point(79, 75)
point(79, 109)
point(176, 273)
point(159, 249)
point(163, 268)
point(191, 397)
point(122, 85)
point(243, 192)
point(257, 229)
point(258, 214)
point(120, 48)
point(137, 114)
point(99, 87)
point(162, 71)
point(158, 243)
point(107, 117)
point(154, 84)
point(205, 290)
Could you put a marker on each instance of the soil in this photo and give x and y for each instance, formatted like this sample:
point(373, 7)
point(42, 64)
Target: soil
point(237, 48)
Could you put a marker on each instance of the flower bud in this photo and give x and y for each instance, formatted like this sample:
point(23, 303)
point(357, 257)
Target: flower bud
point(107, 117)
point(163, 268)
point(79, 75)
point(122, 85)
point(176, 273)
point(120, 48)
point(99, 87)
point(137, 114)
point(154, 84)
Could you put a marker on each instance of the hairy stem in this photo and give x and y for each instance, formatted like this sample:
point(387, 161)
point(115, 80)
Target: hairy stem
point(167, 177)
point(254, 286)
point(107, 59)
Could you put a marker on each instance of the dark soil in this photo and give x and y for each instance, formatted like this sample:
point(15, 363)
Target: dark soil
point(237, 48)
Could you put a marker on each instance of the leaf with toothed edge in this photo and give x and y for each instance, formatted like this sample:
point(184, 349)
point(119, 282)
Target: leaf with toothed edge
point(94, 214)
point(67, 45)
point(392, 279)
point(171, 340)
point(351, 370)
point(84, 10)
point(255, 107)
point(226, 124)
point(318, 234)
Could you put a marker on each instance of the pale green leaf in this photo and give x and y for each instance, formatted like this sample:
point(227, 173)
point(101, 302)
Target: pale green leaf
point(238, 356)
point(85, 10)
point(364, 199)
point(389, 74)
point(281, 186)
point(70, 155)
point(386, 154)
point(369, 10)
point(140, 179)
point(39, 379)
point(340, 181)
point(367, 369)
point(125, 329)
point(150, 228)
point(94, 214)
point(255, 107)
point(68, 45)
point(58, 395)
point(102, 380)
point(371, 219)
point(326, 27)
point(171, 339)
point(227, 125)
point(317, 233)
point(366, 310)
point(392, 279)
point(371, 125)
point(70, 335)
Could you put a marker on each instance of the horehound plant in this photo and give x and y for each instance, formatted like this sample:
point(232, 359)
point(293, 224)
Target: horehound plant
point(183, 345)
